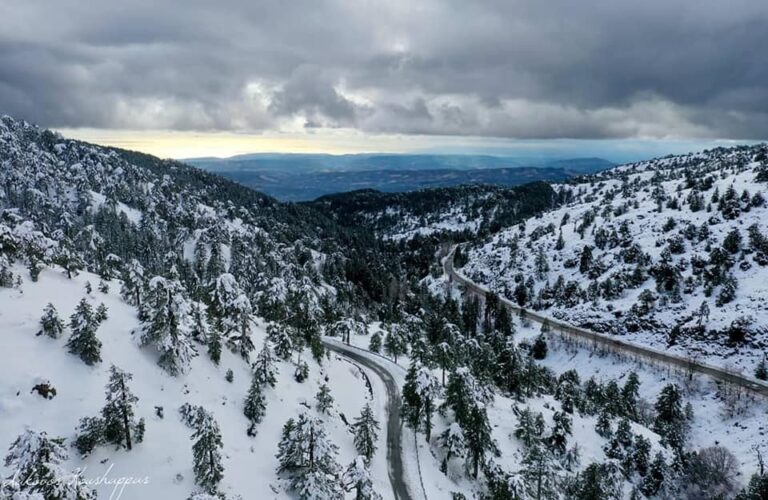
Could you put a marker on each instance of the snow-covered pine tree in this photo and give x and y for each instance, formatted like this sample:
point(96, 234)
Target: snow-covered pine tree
point(215, 265)
point(51, 324)
point(264, 369)
point(366, 432)
point(453, 443)
point(231, 314)
point(395, 344)
point(281, 339)
point(255, 405)
point(671, 422)
point(133, 283)
point(308, 458)
point(375, 343)
point(357, 477)
point(478, 437)
point(120, 425)
point(102, 313)
point(538, 473)
point(427, 389)
point(167, 324)
point(68, 258)
point(199, 329)
point(561, 429)
point(324, 399)
point(83, 341)
point(206, 452)
point(35, 461)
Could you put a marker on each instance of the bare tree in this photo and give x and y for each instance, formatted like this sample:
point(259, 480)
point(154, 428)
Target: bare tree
point(712, 473)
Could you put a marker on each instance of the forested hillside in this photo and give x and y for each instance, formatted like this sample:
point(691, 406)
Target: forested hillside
point(670, 253)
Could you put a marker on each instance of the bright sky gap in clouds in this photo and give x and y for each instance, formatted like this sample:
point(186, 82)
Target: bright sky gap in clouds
point(194, 78)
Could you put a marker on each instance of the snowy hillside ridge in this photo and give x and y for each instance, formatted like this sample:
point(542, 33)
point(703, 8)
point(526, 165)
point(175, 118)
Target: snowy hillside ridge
point(99, 208)
point(670, 253)
point(461, 211)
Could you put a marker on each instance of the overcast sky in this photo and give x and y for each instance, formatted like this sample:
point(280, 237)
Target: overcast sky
point(349, 75)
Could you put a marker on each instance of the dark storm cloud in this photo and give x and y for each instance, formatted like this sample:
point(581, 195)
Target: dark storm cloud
point(506, 68)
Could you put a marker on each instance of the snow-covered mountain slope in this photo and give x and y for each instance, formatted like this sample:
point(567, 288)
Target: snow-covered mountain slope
point(104, 207)
point(671, 253)
point(161, 465)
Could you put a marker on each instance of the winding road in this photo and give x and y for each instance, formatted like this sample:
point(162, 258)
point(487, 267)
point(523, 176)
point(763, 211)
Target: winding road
point(394, 435)
point(719, 374)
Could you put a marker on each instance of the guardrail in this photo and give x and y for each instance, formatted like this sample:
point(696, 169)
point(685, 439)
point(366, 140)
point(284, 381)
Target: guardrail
point(723, 375)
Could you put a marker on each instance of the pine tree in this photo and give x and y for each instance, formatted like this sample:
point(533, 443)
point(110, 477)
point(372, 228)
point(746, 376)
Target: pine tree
point(539, 348)
point(255, 405)
point(199, 328)
point(656, 476)
point(560, 244)
point(453, 442)
point(133, 283)
point(282, 340)
point(366, 432)
point(308, 458)
point(215, 266)
point(264, 369)
point(357, 477)
point(90, 434)
point(102, 313)
point(671, 422)
point(761, 371)
point(538, 473)
point(214, 346)
point(324, 399)
point(419, 393)
point(478, 437)
point(83, 341)
point(50, 323)
point(206, 453)
point(167, 324)
point(603, 425)
point(118, 414)
point(232, 314)
point(375, 343)
point(68, 259)
point(36, 464)
point(641, 454)
point(561, 429)
point(395, 344)
point(630, 394)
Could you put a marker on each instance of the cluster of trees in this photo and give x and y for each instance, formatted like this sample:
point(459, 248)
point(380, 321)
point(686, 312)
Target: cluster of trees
point(308, 459)
point(83, 324)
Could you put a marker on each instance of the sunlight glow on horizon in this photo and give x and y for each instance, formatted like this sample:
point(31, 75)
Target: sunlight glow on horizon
point(178, 145)
point(188, 144)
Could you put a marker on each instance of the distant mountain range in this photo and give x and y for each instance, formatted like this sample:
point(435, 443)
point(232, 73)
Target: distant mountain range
point(302, 177)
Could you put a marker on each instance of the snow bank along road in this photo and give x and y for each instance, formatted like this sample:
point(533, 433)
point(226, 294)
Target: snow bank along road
point(394, 436)
point(690, 365)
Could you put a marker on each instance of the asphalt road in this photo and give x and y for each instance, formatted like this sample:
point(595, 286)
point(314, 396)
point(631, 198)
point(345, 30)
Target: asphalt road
point(686, 364)
point(394, 436)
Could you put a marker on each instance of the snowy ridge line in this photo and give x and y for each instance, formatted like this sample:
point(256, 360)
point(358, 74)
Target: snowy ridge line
point(752, 384)
point(369, 359)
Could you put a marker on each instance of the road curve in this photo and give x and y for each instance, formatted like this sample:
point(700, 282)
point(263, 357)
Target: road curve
point(753, 385)
point(394, 436)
